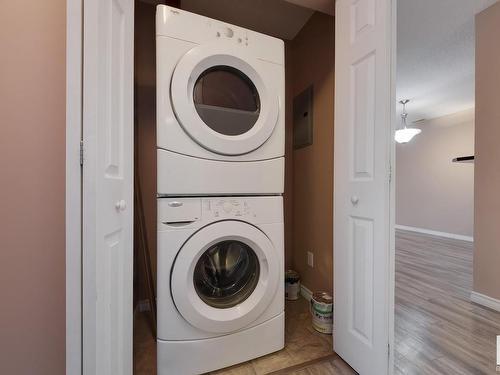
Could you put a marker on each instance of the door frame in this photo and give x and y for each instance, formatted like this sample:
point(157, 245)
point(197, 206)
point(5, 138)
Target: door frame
point(74, 97)
point(392, 186)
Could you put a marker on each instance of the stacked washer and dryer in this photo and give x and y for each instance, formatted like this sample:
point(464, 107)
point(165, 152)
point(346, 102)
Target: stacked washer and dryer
point(220, 151)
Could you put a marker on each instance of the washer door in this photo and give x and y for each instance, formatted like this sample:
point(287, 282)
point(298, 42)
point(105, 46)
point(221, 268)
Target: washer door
point(225, 276)
point(221, 99)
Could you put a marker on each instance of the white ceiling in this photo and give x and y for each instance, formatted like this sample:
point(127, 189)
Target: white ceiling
point(435, 55)
point(273, 17)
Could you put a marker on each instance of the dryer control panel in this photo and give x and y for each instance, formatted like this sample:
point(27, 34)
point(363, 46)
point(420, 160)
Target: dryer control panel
point(194, 28)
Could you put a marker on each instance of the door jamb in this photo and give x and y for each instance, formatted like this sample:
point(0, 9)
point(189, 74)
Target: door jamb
point(74, 96)
point(391, 282)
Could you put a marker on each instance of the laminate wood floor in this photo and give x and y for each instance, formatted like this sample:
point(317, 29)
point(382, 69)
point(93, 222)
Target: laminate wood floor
point(438, 330)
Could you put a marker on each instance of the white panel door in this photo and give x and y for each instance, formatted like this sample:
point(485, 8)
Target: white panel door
point(363, 97)
point(107, 186)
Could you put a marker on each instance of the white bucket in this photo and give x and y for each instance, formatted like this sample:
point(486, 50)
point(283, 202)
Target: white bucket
point(292, 285)
point(322, 312)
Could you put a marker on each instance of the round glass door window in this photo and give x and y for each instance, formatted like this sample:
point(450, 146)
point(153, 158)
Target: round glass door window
point(226, 274)
point(226, 100)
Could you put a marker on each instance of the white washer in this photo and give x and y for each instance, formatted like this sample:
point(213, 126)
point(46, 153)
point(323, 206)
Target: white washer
point(220, 282)
point(220, 107)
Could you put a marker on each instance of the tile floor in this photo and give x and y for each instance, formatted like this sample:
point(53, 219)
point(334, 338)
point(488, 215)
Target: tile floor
point(306, 351)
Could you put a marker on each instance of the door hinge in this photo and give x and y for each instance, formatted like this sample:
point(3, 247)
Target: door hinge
point(81, 153)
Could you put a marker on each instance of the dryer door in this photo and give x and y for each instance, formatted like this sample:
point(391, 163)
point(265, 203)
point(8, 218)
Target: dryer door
point(225, 276)
point(221, 98)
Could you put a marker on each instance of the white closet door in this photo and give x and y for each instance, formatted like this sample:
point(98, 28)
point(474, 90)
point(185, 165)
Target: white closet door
point(363, 98)
point(107, 186)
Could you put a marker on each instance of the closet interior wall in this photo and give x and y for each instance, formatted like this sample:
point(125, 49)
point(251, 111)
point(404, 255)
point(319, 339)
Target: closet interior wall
point(312, 59)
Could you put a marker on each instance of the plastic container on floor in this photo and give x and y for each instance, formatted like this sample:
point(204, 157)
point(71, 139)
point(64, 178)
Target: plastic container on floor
point(292, 285)
point(322, 312)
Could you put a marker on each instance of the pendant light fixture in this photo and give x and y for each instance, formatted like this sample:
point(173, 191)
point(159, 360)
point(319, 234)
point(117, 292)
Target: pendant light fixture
point(405, 134)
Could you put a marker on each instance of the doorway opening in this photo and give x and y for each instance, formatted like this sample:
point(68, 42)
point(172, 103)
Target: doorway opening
point(446, 298)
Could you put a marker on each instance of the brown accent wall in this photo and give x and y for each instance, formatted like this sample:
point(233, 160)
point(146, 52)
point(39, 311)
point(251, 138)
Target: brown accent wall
point(313, 63)
point(32, 199)
point(312, 51)
point(145, 126)
point(145, 134)
point(288, 193)
point(487, 163)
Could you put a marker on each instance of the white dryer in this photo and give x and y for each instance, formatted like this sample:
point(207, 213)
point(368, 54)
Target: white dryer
point(220, 107)
point(220, 282)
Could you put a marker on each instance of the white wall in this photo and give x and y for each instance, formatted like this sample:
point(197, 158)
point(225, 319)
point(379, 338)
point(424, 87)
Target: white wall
point(432, 192)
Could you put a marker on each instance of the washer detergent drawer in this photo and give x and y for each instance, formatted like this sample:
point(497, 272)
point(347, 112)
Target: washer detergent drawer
point(172, 211)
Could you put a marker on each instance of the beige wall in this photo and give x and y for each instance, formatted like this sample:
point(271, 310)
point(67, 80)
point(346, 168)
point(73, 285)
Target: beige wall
point(32, 161)
point(313, 63)
point(487, 165)
point(431, 191)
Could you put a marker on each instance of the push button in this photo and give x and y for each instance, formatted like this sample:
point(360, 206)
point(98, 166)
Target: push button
point(228, 207)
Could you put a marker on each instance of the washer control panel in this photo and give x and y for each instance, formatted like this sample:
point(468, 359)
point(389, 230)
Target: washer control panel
point(190, 212)
point(228, 208)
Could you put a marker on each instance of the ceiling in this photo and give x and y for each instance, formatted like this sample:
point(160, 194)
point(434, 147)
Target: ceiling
point(278, 18)
point(435, 55)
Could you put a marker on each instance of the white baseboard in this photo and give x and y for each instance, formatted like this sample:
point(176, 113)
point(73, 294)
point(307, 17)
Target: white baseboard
point(484, 300)
point(435, 233)
point(305, 292)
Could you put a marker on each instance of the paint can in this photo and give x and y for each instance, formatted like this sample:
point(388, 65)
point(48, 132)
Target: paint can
point(322, 312)
point(292, 285)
